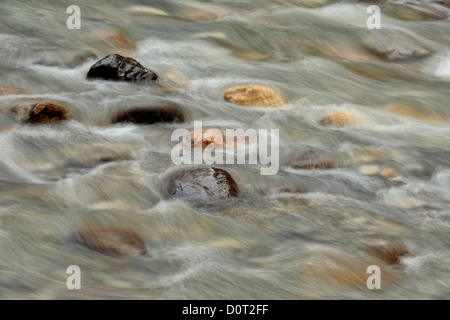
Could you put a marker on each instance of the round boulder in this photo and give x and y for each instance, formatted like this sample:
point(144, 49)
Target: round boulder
point(253, 96)
point(338, 119)
point(202, 185)
point(149, 114)
point(40, 113)
point(111, 240)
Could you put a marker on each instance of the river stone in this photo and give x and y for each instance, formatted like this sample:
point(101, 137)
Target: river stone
point(388, 173)
point(202, 185)
point(395, 48)
point(409, 112)
point(421, 12)
point(338, 119)
point(310, 159)
point(206, 137)
point(111, 240)
point(120, 68)
point(252, 96)
point(7, 90)
point(390, 254)
point(447, 3)
point(41, 113)
point(150, 114)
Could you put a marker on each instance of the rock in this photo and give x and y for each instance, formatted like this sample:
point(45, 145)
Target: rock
point(7, 90)
point(338, 119)
point(202, 185)
point(309, 159)
point(388, 173)
point(81, 59)
point(109, 40)
point(447, 3)
point(252, 96)
point(111, 240)
point(348, 52)
point(150, 114)
point(40, 112)
point(343, 270)
point(421, 12)
point(198, 14)
point(206, 137)
point(390, 254)
point(407, 111)
point(117, 67)
point(369, 169)
point(146, 12)
point(395, 48)
point(308, 3)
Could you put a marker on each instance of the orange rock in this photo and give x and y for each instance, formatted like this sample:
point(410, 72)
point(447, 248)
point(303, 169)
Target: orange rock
point(338, 119)
point(7, 90)
point(252, 96)
point(111, 240)
point(447, 3)
point(206, 137)
point(407, 111)
point(390, 254)
point(388, 173)
point(350, 53)
point(40, 112)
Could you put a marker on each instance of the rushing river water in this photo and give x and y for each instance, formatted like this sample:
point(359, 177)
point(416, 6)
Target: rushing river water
point(299, 234)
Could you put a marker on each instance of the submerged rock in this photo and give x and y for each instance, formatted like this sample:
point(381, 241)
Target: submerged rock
point(338, 119)
point(120, 68)
point(41, 113)
point(206, 137)
point(202, 185)
point(111, 240)
point(7, 90)
point(421, 12)
point(396, 48)
point(388, 173)
point(150, 114)
point(310, 159)
point(409, 112)
point(253, 96)
point(390, 254)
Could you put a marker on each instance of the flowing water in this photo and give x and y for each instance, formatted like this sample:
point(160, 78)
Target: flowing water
point(273, 241)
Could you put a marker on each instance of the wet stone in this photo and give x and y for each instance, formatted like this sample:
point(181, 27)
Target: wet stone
point(150, 114)
point(202, 185)
point(111, 240)
point(40, 113)
point(120, 68)
point(253, 96)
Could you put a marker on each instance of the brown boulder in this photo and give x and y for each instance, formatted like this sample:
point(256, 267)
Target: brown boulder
point(7, 90)
point(111, 240)
point(205, 138)
point(309, 159)
point(150, 114)
point(253, 96)
point(409, 112)
point(202, 185)
point(338, 119)
point(41, 113)
point(390, 254)
point(120, 68)
point(388, 173)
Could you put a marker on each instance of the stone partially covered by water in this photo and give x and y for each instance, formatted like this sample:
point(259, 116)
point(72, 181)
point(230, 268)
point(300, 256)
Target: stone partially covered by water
point(396, 47)
point(253, 96)
point(309, 159)
point(390, 254)
point(202, 185)
point(149, 114)
point(120, 68)
point(421, 12)
point(40, 113)
point(8, 90)
point(111, 240)
point(206, 137)
point(338, 119)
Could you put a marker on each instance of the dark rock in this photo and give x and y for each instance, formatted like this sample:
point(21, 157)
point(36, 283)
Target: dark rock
point(7, 90)
point(40, 112)
point(150, 114)
point(309, 159)
point(396, 48)
point(120, 68)
point(111, 240)
point(202, 185)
